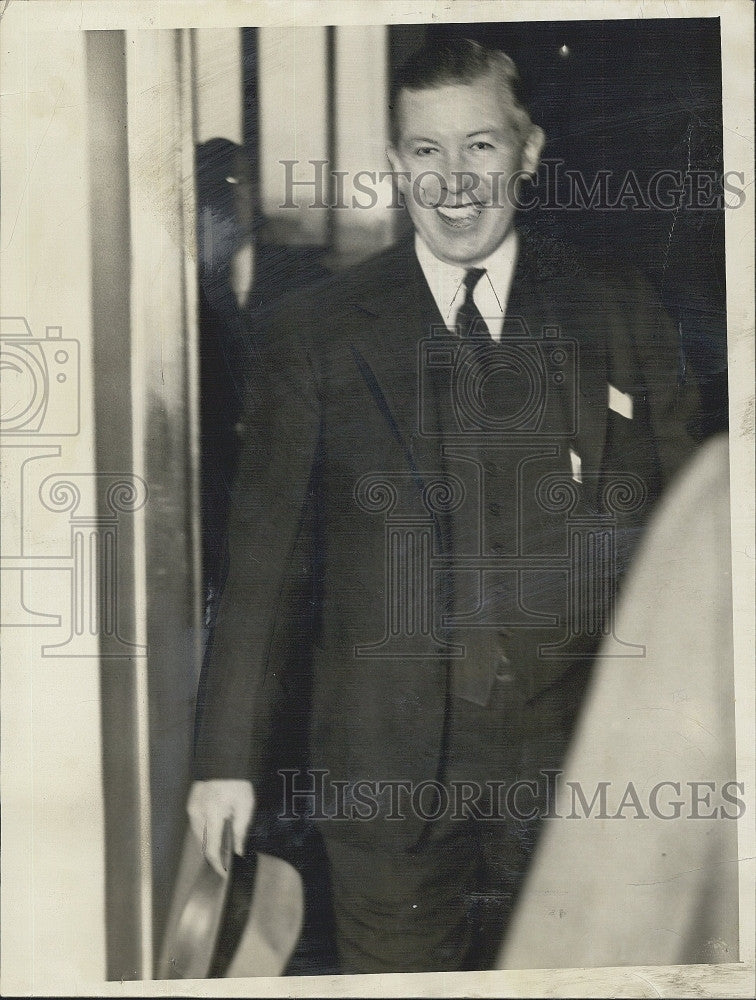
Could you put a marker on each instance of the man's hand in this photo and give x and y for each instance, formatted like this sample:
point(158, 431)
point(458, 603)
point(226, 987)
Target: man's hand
point(210, 804)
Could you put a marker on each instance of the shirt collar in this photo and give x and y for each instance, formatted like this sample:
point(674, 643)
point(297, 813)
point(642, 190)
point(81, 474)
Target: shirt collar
point(491, 292)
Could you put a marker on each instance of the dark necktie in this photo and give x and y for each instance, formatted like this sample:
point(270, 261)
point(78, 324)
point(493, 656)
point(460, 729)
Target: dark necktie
point(469, 319)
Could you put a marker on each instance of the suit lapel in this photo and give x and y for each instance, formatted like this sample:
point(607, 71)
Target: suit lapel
point(395, 317)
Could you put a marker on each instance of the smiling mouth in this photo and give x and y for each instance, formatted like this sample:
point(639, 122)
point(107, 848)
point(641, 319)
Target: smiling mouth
point(460, 216)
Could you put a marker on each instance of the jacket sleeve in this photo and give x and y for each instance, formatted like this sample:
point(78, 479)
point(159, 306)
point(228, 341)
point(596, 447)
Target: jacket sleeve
point(673, 397)
point(280, 437)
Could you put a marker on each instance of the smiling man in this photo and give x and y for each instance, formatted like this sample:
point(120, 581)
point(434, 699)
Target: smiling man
point(461, 438)
point(462, 141)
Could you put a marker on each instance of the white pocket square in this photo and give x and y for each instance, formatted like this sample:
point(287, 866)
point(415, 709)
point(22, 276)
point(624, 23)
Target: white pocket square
point(620, 402)
point(577, 466)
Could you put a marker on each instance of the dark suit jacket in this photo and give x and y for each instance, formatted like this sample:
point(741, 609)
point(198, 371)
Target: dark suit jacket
point(230, 338)
point(344, 442)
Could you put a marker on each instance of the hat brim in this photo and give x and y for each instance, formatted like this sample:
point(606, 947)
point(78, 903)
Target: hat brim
point(244, 923)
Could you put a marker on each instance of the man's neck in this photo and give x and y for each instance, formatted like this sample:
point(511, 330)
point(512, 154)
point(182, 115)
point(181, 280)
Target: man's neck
point(445, 281)
point(506, 250)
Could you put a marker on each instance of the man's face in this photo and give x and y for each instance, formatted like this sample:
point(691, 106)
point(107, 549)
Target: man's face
point(462, 146)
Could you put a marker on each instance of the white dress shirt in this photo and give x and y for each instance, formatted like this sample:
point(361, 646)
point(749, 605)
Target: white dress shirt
point(491, 292)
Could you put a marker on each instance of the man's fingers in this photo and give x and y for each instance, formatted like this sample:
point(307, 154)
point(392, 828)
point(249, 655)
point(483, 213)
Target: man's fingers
point(211, 844)
point(204, 827)
point(197, 822)
point(240, 836)
point(210, 804)
point(241, 820)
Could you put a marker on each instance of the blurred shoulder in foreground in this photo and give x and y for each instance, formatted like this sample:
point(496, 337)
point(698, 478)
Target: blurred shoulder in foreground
point(639, 866)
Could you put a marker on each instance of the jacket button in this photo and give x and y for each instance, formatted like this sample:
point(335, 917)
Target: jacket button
point(494, 509)
point(503, 669)
point(491, 468)
point(497, 548)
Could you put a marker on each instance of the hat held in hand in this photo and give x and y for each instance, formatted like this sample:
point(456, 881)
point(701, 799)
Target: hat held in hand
point(243, 923)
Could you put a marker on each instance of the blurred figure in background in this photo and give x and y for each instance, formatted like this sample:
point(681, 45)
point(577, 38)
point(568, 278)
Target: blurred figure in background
point(226, 234)
point(243, 278)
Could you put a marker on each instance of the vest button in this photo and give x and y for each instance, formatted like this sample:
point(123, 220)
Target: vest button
point(491, 468)
point(494, 509)
point(497, 548)
point(503, 671)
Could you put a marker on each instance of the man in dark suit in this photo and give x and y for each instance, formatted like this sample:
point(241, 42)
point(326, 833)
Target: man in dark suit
point(462, 438)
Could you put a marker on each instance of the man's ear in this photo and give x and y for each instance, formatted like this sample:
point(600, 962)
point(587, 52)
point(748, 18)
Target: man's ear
point(531, 151)
point(400, 179)
point(392, 155)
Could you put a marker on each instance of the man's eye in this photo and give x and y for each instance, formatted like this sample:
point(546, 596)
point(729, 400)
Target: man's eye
point(425, 150)
point(482, 144)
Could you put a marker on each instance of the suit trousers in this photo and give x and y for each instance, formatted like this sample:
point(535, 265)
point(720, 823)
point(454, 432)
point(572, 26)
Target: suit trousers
point(443, 904)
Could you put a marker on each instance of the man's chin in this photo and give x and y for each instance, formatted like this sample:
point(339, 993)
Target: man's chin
point(463, 250)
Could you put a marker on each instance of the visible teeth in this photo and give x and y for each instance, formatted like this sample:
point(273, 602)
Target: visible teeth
point(464, 215)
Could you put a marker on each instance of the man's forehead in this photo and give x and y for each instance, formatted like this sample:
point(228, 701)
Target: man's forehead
point(485, 102)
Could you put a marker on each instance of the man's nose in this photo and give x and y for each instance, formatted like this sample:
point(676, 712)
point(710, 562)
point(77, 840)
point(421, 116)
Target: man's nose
point(456, 174)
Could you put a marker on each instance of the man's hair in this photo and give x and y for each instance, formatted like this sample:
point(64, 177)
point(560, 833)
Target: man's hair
point(457, 61)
